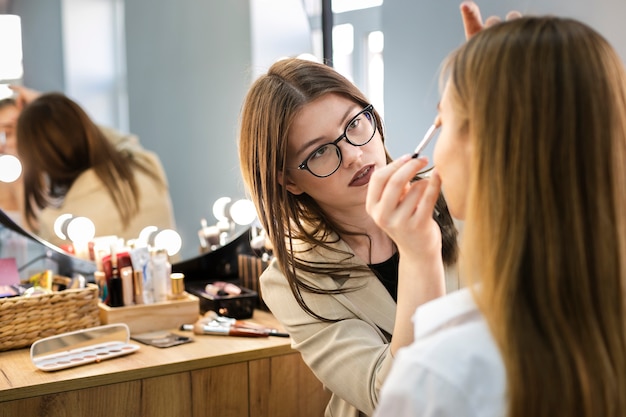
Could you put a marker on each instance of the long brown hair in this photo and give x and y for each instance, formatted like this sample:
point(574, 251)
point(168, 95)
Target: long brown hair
point(57, 142)
point(545, 232)
point(268, 111)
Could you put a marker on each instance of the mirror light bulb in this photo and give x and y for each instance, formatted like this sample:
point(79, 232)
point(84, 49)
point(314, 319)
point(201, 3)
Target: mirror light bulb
point(169, 240)
point(10, 168)
point(144, 235)
point(59, 225)
point(81, 230)
point(219, 208)
point(243, 212)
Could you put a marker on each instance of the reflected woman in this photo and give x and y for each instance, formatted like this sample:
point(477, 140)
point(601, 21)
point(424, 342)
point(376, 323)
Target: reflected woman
point(71, 165)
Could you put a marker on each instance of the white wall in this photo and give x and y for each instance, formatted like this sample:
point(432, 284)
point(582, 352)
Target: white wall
point(188, 65)
point(420, 33)
point(41, 43)
point(279, 28)
point(94, 58)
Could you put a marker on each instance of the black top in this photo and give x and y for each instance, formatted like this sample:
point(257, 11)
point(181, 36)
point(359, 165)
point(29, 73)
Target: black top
point(387, 273)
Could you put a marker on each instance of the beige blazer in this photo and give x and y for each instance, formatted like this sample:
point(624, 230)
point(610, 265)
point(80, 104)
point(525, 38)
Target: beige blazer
point(89, 197)
point(350, 357)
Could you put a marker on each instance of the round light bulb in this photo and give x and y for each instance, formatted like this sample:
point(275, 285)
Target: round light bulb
point(243, 212)
point(10, 168)
point(219, 208)
point(169, 240)
point(144, 235)
point(59, 225)
point(81, 230)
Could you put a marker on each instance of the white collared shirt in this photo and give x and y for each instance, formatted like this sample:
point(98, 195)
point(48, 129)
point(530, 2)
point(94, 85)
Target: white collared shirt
point(452, 369)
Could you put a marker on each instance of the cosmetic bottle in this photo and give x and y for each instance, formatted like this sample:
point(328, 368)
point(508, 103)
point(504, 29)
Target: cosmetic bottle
point(101, 281)
point(126, 273)
point(160, 271)
point(138, 287)
point(114, 285)
point(177, 281)
point(140, 257)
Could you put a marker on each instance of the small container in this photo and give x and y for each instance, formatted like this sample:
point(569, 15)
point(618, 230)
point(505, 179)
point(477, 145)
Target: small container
point(101, 281)
point(126, 273)
point(177, 281)
point(166, 315)
point(239, 306)
point(138, 287)
point(160, 271)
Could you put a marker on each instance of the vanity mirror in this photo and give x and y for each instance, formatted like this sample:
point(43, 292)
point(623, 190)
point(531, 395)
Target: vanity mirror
point(220, 264)
point(30, 251)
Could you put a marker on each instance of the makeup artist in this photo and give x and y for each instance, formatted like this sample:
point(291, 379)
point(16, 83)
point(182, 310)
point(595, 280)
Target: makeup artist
point(71, 165)
point(309, 143)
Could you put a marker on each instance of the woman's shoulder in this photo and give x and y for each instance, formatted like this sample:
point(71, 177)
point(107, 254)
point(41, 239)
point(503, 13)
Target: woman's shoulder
point(332, 254)
point(120, 140)
point(128, 143)
point(453, 340)
point(448, 317)
point(329, 250)
point(86, 185)
point(455, 355)
point(270, 271)
point(274, 276)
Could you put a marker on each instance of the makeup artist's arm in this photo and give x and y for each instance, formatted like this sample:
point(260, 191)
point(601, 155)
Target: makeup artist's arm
point(403, 209)
point(349, 356)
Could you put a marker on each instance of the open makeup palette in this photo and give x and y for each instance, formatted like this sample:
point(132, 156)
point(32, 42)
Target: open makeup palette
point(82, 347)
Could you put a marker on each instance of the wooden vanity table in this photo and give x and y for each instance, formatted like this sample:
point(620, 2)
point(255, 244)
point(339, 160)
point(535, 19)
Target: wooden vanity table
point(221, 376)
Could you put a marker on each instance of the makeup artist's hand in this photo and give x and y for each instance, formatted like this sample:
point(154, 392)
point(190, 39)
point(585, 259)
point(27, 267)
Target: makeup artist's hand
point(473, 22)
point(404, 209)
point(24, 95)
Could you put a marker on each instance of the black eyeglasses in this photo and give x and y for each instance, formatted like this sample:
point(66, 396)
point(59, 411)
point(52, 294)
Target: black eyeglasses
point(325, 160)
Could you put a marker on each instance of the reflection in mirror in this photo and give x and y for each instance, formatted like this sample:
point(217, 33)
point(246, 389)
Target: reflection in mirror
point(33, 254)
point(127, 83)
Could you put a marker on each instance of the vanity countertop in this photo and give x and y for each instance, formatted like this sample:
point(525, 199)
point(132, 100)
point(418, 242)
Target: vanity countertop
point(20, 379)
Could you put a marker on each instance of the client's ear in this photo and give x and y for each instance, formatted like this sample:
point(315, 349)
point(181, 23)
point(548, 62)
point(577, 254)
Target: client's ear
point(286, 182)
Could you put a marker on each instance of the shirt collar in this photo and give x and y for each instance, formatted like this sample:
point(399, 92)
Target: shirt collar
point(442, 312)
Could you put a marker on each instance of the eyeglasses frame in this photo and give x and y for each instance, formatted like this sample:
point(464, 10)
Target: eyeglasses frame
point(305, 164)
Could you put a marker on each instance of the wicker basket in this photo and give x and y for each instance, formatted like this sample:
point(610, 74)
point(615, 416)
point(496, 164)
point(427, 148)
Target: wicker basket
point(24, 320)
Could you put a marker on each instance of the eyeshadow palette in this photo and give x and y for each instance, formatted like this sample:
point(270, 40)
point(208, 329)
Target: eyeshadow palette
point(83, 356)
point(92, 345)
